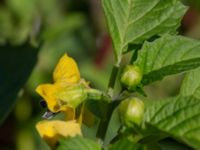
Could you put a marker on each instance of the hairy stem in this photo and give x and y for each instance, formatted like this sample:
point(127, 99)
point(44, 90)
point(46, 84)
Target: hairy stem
point(112, 80)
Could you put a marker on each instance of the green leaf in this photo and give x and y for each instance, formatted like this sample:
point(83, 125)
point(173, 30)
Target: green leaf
point(166, 56)
point(16, 64)
point(169, 144)
point(191, 84)
point(126, 144)
point(134, 21)
point(113, 127)
point(77, 143)
point(179, 117)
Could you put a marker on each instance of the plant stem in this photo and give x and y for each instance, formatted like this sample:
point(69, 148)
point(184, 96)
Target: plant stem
point(112, 80)
point(109, 107)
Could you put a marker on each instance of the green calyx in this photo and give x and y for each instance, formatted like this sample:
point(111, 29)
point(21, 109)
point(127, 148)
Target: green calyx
point(72, 96)
point(131, 111)
point(131, 77)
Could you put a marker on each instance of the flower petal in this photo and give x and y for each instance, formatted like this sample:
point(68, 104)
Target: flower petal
point(66, 71)
point(52, 130)
point(48, 92)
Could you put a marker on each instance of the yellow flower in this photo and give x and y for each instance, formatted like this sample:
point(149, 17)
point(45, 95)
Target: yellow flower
point(67, 91)
point(52, 130)
point(65, 94)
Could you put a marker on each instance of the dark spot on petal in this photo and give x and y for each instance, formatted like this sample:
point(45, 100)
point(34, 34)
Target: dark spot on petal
point(43, 104)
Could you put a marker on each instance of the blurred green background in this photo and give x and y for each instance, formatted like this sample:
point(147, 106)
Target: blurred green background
point(76, 27)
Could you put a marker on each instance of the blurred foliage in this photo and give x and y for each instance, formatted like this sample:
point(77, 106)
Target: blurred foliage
point(16, 66)
point(64, 27)
point(194, 3)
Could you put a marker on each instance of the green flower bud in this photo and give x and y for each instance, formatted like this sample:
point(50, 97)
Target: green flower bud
point(131, 111)
point(72, 95)
point(131, 76)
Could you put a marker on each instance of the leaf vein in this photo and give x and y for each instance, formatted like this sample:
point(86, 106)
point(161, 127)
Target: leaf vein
point(183, 121)
point(143, 33)
point(175, 112)
point(146, 13)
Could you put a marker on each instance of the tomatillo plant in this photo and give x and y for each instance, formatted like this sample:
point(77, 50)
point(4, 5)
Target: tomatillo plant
point(147, 32)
